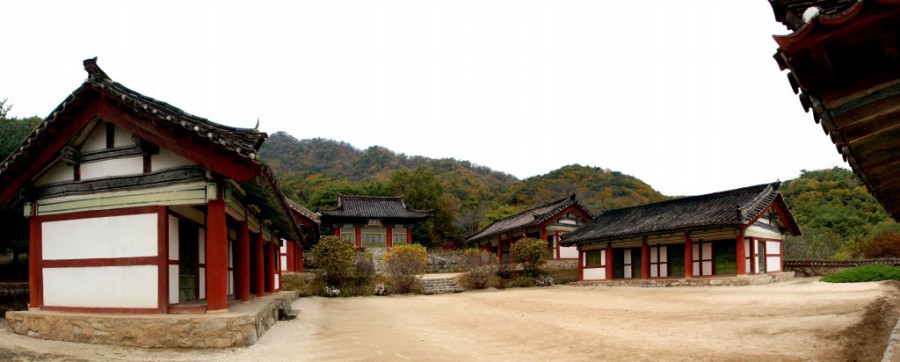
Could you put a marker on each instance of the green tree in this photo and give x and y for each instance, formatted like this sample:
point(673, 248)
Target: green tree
point(531, 252)
point(334, 258)
point(15, 228)
point(423, 190)
point(402, 264)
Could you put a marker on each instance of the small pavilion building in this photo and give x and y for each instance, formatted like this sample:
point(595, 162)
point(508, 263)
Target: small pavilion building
point(547, 222)
point(373, 221)
point(138, 207)
point(733, 232)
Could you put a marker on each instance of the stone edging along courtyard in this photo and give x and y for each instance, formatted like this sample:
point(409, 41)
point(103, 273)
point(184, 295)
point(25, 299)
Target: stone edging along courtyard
point(241, 326)
point(737, 280)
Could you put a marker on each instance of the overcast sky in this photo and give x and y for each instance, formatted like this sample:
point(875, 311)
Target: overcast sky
point(681, 94)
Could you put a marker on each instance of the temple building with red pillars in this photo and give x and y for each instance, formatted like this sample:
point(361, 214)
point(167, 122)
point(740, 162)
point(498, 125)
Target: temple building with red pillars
point(136, 206)
point(843, 61)
point(292, 253)
point(548, 222)
point(372, 221)
point(735, 232)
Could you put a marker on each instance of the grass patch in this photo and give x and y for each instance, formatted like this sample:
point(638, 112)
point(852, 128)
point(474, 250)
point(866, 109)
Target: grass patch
point(864, 273)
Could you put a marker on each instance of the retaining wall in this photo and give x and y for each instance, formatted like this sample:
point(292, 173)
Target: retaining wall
point(810, 268)
point(739, 280)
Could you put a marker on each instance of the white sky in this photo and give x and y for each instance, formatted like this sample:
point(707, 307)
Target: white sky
point(681, 94)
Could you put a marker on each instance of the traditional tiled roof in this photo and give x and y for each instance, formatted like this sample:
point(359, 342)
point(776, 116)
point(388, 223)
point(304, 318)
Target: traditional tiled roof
point(392, 207)
point(790, 12)
point(302, 210)
point(733, 208)
point(243, 143)
point(531, 217)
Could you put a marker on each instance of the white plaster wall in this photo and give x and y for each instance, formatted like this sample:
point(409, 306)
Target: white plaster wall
point(773, 264)
point(760, 232)
point(283, 247)
point(283, 260)
point(173, 284)
point(202, 278)
point(166, 159)
point(122, 138)
point(747, 255)
point(568, 252)
point(773, 247)
point(595, 274)
point(99, 287)
point(96, 140)
point(112, 167)
point(102, 237)
point(59, 172)
point(756, 252)
point(173, 238)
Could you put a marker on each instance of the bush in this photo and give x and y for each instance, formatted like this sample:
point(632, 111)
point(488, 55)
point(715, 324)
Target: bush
point(864, 273)
point(478, 267)
point(882, 242)
point(364, 268)
point(402, 264)
point(334, 258)
point(306, 284)
point(531, 253)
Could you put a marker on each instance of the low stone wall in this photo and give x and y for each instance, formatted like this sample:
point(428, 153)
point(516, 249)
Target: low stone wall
point(443, 262)
point(561, 264)
point(241, 326)
point(811, 268)
point(441, 285)
point(739, 280)
point(13, 296)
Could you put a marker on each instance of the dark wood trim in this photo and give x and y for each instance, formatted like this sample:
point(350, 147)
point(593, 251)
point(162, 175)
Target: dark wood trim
point(99, 262)
point(110, 135)
point(76, 172)
point(148, 163)
point(114, 183)
point(101, 310)
point(110, 153)
point(162, 261)
point(99, 213)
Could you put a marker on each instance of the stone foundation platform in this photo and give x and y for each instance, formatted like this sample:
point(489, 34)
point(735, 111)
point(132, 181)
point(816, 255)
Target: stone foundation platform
point(241, 326)
point(737, 280)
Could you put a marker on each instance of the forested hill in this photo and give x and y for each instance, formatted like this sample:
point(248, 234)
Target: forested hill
point(310, 164)
point(464, 196)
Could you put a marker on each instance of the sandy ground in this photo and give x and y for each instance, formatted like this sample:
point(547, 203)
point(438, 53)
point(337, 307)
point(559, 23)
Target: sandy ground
point(797, 320)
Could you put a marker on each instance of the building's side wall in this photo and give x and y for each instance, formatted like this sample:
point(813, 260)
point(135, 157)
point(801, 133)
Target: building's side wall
point(101, 262)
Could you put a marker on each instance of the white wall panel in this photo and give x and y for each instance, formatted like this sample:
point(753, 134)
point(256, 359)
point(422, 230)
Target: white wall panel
point(773, 247)
point(230, 282)
point(664, 270)
point(166, 159)
point(706, 268)
point(173, 238)
point(102, 287)
point(653, 255)
point(173, 284)
point(102, 237)
point(201, 276)
point(568, 252)
point(283, 261)
point(695, 269)
point(112, 167)
point(122, 138)
point(595, 274)
point(60, 172)
point(773, 264)
point(277, 280)
point(96, 140)
point(663, 254)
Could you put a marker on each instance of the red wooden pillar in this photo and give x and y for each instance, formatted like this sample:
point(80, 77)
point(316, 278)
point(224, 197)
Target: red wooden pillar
point(688, 256)
point(544, 239)
point(260, 268)
point(299, 256)
point(358, 236)
point(408, 235)
point(35, 278)
point(337, 231)
point(609, 262)
point(500, 251)
point(288, 256)
point(243, 263)
point(270, 268)
point(216, 255)
point(162, 256)
point(390, 235)
point(645, 259)
point(741, 258)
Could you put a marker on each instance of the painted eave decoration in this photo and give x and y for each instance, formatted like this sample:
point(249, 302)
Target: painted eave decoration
point(737, 208)
point(531, 217)
point(843, 59)
point(228, 151)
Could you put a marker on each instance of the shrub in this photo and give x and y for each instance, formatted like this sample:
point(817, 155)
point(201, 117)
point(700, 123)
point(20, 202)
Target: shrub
point(334, 257)
point(883, 242)
point(402, 264)
point(864, 273)
point(478, 267)
point(523, 281)
point(306, 284)
point(545, 281)
point(364, 268)
point(531, 253)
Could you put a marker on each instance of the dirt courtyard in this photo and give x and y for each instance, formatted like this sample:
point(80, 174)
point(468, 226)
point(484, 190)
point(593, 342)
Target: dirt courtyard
point(796, 320)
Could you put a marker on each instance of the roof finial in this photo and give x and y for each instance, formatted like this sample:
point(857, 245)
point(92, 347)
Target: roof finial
point(256, 127)
point(95, 74)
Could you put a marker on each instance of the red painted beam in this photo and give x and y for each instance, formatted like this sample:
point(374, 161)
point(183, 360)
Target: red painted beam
point(645, 259)
point(260, 271)
point(216, 255)
point(34, 263)
point(739, 252)
point(688, 256)
point(610, 265)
